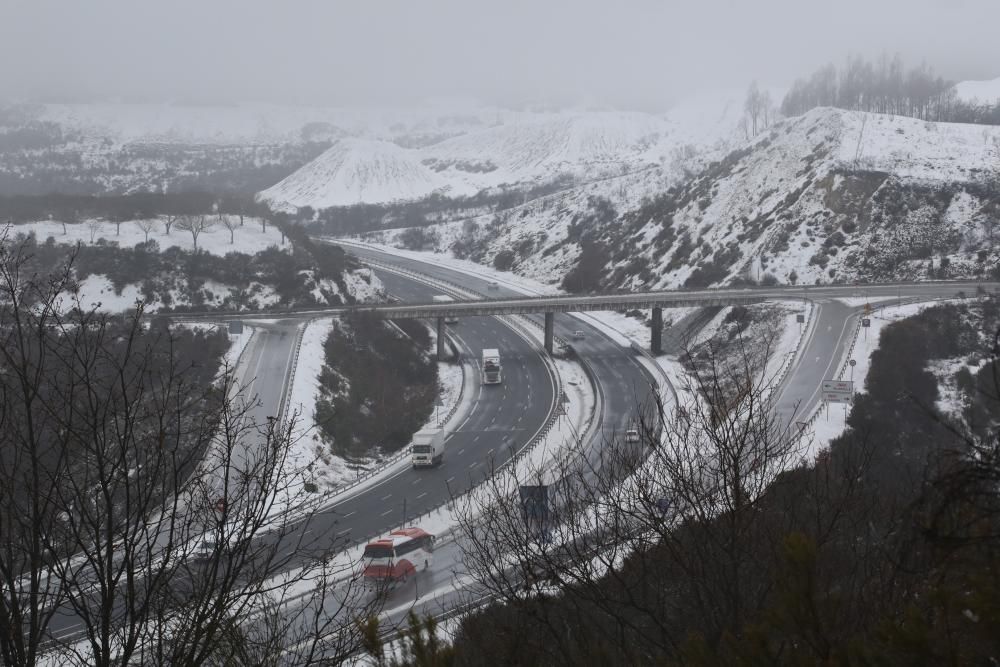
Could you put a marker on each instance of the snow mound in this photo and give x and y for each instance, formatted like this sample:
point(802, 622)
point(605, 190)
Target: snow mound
point(356, 171)
point(979, 91)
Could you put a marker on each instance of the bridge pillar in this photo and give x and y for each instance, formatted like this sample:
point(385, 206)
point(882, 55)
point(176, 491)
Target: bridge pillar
point(656, 331)
point(550, 325)
point(440, 340)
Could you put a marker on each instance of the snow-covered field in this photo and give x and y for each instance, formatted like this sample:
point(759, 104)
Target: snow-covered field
point(248, 238)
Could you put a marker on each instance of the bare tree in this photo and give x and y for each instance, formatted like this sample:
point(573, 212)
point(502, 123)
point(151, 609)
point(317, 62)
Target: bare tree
point(139, 504)
point(146, 225)
point(168, 222)
point(230, 223)
point(196, 225)
point(94, 226)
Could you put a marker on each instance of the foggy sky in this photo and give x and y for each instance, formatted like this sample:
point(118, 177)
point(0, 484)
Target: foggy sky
point(638, 54)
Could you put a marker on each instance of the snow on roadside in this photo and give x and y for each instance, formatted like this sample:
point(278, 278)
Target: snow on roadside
point(309, 459)
point(307, 455)
point(506, 279)
point(831, 421)
point(858, 301)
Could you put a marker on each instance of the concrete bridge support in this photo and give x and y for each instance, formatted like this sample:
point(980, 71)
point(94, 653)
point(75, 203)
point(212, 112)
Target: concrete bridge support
point(656, 332)
point(550, 324)
point(440, 340)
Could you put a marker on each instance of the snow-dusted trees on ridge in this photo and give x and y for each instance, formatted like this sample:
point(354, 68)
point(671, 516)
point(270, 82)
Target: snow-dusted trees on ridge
point(759, 111)
point(884, 87)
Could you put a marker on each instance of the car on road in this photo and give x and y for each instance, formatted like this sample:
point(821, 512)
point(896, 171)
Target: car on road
point(493, 286)
point(632, 435)
point(578, 335)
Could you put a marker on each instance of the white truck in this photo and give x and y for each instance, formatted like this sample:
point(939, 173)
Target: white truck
point(444, 298)
point(491, 366)
point(427, 447)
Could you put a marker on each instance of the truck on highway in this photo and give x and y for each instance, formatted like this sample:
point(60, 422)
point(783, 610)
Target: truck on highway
point(427, 447)
point(492, 372)
point(444, 298)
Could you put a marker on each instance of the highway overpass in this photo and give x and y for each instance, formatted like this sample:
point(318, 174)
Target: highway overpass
point(656, 301)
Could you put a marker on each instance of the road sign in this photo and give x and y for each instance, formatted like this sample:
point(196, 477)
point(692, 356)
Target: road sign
point(800, 318)
point(866, 322)
point(853, 363)
point(837, 391)
point(838, 385)
point(235, 327)
point(868, 309)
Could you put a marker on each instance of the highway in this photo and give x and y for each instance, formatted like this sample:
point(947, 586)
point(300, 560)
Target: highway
point(504, 418)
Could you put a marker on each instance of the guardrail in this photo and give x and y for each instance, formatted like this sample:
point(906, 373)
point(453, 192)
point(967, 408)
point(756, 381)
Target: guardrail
point(290, 376)
point(790, 361)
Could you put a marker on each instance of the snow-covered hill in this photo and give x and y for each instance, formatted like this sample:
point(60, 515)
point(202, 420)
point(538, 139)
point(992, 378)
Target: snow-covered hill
point(353, 171)
point(520, 149)
point(831, 195)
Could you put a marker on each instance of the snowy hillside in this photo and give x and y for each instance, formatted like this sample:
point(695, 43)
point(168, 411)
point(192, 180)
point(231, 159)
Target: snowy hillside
point(354, 171)
point(520, 149)
point(979, 91)
point(831, 195)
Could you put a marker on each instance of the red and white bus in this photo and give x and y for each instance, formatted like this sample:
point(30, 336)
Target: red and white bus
point(402, 553)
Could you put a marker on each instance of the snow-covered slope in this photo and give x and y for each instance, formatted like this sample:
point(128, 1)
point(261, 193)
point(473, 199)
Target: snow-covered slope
point(831, 195)
point(979, 91)
point(354, 171)
point(523, 149)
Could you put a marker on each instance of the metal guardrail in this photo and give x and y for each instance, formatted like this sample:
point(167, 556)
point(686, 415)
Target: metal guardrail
point(790, 361)
point(290, 377)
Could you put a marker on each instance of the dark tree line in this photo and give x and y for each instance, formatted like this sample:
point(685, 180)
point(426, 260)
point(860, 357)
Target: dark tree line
point(886, 86)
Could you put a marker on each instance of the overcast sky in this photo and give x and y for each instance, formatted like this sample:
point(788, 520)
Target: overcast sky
point(623, 53)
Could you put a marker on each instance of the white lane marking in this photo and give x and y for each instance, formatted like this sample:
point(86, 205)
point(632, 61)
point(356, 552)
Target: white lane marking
point(351, 513)
point(421, 495)
point(416, 481)
point(476, 439)
point(387, 497)
point(387, 511)
point(461, 450)
point(449, 480)
point(473, 464)
point(346, 530)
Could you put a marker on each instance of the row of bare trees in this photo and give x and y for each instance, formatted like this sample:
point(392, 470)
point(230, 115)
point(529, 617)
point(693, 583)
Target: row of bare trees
point(139, 516)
